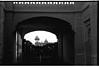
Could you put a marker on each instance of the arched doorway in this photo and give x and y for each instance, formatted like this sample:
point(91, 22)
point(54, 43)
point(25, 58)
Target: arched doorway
point(40, 47)
point(63, 31)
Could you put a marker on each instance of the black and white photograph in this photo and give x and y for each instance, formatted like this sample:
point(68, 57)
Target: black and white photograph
point(61, 33)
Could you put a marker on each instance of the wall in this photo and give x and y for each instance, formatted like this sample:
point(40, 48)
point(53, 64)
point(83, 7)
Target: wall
point(93, 16)
point(18, 17)
point(89, 23)
point(68, 47)
point(1, 30)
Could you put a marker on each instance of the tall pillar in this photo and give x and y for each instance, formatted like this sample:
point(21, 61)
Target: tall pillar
point(89, 21)
point(1, 30)
point(60, 47)
point(79, 45)
point(93, 21)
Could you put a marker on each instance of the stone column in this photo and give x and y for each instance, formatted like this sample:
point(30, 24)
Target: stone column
point(1, 30)
point(93, 21)
point(60, 47)
point(79, 45)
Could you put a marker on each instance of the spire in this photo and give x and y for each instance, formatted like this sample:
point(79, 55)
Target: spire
point(45, 41)
point(37, 38)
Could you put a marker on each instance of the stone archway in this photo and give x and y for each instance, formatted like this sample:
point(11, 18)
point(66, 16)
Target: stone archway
point(57, 26)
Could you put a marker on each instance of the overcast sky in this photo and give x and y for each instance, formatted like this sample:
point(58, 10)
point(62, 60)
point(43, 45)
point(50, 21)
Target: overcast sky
point(42, 36)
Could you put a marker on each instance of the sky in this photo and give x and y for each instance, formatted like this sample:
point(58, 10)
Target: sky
point(42, 36)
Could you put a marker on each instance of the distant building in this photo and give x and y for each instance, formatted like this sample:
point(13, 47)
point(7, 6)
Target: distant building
point(37, 38)
point(46, 42)
point(37, 43)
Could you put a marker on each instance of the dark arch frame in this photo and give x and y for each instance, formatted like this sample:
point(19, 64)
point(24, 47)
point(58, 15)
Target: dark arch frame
point(50, 24)
point(54, 25)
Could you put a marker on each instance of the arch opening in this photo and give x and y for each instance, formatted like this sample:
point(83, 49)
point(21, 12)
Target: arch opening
point(40, 30)
point(41, 37)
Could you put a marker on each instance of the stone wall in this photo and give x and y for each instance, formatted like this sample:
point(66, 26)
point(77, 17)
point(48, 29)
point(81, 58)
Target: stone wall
point(93, 21)
point(1, 30)
point(86, 35)
point(89, 23)
point(79, 46)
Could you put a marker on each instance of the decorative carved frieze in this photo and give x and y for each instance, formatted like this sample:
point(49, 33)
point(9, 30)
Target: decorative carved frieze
point(45, 6)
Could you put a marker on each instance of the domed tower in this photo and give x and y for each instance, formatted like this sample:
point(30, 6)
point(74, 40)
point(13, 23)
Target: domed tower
point(45, 42)
point(37, 41)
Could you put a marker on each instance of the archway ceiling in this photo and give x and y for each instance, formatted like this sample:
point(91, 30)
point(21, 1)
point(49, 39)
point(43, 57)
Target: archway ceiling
point(52, 28)
point(44, 23)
